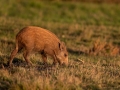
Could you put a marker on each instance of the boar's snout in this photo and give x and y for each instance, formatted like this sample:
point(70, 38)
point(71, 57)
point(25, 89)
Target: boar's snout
point(63, 54)
point(65, 62)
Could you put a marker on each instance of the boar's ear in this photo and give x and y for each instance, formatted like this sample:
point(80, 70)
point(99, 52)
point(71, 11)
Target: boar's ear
point(61, 46)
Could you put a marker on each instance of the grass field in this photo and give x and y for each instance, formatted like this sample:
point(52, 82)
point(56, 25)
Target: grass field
point(91, 32)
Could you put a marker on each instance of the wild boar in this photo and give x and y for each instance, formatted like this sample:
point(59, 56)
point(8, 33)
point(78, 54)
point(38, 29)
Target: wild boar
point(36, 39)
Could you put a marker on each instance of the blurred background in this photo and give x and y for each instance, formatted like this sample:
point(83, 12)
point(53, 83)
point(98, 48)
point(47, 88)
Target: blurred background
point(93, 25)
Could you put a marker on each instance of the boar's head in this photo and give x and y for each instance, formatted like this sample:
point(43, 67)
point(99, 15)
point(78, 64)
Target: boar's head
point(62, 55)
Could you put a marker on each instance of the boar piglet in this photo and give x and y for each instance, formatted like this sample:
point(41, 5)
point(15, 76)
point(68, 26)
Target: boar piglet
point(37, 39)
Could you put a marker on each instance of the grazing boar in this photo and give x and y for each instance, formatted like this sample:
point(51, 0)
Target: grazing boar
point(37, 39)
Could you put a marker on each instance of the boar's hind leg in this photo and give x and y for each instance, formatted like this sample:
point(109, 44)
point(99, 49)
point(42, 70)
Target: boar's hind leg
point(14, 52)
point(26, 57)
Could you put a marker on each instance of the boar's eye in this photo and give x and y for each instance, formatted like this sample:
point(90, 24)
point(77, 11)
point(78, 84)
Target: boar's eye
point(65, 55)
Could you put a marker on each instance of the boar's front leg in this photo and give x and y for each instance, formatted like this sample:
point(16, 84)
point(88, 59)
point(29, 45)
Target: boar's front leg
point(55, 61)
point(44, 57)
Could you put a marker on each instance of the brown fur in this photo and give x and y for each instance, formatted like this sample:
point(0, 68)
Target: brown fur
point(40, 40)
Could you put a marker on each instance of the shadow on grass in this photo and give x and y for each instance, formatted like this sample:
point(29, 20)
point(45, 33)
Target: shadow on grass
point(4, 61)
point(40, 66)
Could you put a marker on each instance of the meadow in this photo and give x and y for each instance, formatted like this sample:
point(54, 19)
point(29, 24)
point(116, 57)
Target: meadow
point(91, 32)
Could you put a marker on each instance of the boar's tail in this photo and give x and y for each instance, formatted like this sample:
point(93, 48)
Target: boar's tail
point(17, 45)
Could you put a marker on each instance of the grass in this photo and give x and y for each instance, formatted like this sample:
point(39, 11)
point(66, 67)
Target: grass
point(91, 32)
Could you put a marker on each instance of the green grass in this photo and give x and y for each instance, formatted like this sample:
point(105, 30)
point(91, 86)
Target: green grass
point(91, 33)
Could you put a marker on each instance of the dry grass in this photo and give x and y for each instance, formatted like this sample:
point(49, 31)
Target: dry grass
point(104, 48)
point(103, 74)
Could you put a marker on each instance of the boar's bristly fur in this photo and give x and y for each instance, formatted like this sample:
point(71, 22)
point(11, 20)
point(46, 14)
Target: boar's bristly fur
point(40, 40)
